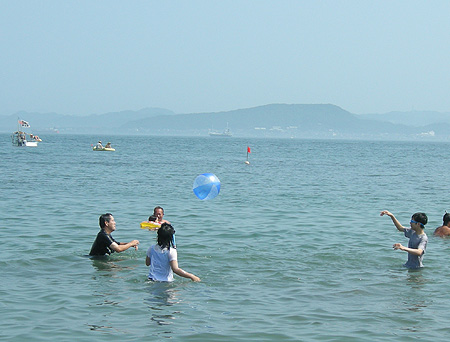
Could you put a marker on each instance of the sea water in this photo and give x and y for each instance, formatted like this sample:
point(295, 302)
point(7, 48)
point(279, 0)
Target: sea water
point(292, 249)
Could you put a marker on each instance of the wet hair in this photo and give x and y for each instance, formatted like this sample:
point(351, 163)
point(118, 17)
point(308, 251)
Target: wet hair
point(165, 236)
point(104, 218)
point(421, 218)
point(152, 218)
point(446, 218)
point(158, 208)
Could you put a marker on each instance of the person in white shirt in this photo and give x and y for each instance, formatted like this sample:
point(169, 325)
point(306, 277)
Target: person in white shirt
point(162, 257)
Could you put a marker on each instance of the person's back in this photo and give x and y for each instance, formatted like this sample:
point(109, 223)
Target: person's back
point(162, 257)
point(160, 269)
point(444, 230)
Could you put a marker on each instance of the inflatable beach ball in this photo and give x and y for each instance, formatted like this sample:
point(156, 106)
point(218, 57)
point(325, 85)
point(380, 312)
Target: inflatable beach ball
point(206, 186)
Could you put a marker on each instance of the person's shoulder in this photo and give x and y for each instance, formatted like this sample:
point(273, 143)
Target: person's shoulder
point(101, 233)
point(442, 231)
point(173, 253)
point(438, 230)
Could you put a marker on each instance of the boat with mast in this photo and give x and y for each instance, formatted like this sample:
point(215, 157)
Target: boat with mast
point(20, 138)
point(225, 133)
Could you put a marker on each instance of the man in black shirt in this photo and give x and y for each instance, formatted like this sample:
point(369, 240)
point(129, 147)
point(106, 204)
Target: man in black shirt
point(105, 243)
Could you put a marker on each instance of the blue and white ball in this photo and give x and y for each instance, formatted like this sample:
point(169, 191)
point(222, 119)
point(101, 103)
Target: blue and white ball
point(206, 186)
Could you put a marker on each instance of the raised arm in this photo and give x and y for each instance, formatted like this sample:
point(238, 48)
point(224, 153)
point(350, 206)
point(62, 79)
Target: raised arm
point(394, 220)
point(182, 273)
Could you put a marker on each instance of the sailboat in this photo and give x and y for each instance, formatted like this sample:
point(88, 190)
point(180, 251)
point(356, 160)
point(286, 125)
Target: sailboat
point(20, 138)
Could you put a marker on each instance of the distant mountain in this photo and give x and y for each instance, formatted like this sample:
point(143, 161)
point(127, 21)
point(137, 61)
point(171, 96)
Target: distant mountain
point(108, 122)
point(277, 120)
point(412, 118)
point(273, 120)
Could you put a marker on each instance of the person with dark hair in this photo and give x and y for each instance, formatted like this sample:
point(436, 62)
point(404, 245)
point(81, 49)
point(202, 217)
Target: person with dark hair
point(162, 257)
point(158, 212)
point(417, 238)
point(104, 243)
point(154, 220)
point(444, 230)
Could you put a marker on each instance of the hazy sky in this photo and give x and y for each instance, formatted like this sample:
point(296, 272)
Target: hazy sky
point(82, 57)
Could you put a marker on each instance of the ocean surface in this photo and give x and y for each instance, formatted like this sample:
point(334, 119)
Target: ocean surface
point(292, 249)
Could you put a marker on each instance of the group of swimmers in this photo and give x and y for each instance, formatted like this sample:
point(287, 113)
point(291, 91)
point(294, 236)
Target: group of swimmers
point(161, 258)
point(418, 240)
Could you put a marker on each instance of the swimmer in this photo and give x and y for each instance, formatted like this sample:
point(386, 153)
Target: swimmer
point(153, 219)
point(162, 258)
point(104, 243)
point(417, 238)
point(158, 212)
point(444, 230)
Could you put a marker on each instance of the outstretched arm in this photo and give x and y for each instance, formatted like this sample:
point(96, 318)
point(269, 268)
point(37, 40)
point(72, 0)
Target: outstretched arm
point(413, 251)
point(182, 273)
point(124, 246)
point(394, 220)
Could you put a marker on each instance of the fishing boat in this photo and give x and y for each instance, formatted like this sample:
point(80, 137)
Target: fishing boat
point(225, 133)
point(20, 138)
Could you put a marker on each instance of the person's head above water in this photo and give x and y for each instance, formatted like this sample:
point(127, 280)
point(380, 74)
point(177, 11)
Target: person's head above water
point(103, 219)
point(420, 218)
point(158, 212)
point(106, 222)
point(446, 219)
point(165, 236)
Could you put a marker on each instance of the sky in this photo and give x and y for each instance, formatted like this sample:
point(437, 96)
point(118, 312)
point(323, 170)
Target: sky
point(93, 56)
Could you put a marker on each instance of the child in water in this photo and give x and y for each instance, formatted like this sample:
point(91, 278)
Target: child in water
point(417, 238)
point(153, 219)
point(162, 257)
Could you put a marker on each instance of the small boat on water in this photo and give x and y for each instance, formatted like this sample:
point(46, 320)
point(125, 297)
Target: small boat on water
point(20, 138)
point(95, 148)
point(100, 147)
point(225, 133)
